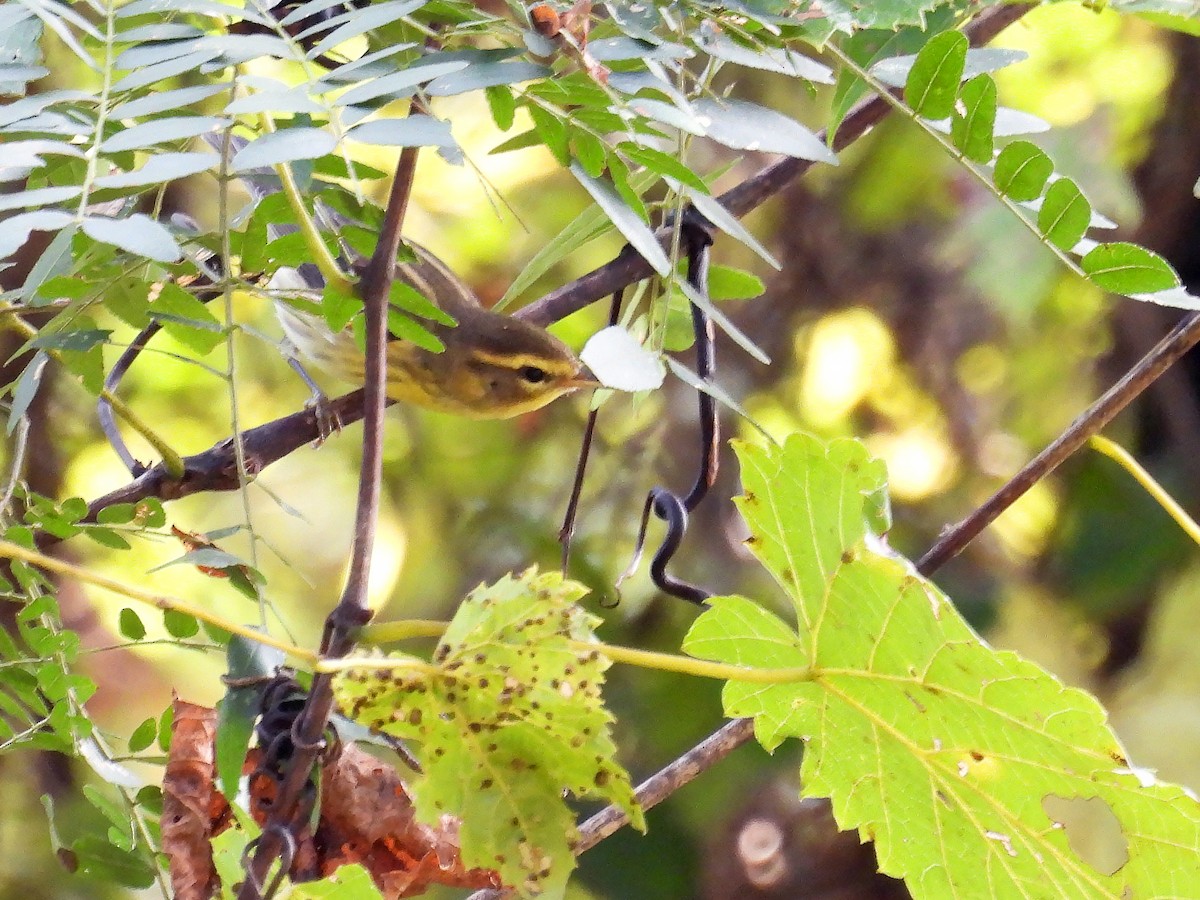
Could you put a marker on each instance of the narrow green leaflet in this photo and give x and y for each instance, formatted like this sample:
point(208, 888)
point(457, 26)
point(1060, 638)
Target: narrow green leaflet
point(971, 129)
point(1064, 215)
point(138, 234)
point(628, 222)
point(587, 226)
point(511, 719)
point(932, 83)
point(1022, 169)
point(1128, 269)
point(953, 757)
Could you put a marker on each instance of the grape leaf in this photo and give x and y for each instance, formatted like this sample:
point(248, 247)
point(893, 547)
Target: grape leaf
point(954, 758)
point(510, 718)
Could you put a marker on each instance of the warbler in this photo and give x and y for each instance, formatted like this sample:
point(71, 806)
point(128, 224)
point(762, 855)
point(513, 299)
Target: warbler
point(493, 366)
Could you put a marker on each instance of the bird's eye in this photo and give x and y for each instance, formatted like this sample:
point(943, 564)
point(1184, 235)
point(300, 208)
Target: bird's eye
point(533, 374)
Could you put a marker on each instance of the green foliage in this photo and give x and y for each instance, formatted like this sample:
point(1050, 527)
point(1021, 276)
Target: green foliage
point(510, 719)
point(947, 753)
point(948, 80)
point(903, 700)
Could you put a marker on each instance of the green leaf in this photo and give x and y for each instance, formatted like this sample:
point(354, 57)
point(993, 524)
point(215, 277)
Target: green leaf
point(951, 756)
point(502, 105)
point(160, 131)
point(238, 709)
point(411, 131)
point(137, 234)
point(116, 514)
point(517, 142)
point(405, 297)
point(553, 134)
point(130, 624)
point(485, 75)
point(589, 151)
point(409, 329)
point(971, 129)
point(187, 319)
point(376, 15)
point(585, 227)
point(159, 169)
point(769, 59)
point(26, 388)
point(106, 537)
point(1128, 269)
point(77, 339)
point(283, 146)
point(1021, 170)
point(511, 718)
point(747, 126)
point(728, 283)
point(932, 84)
point(98, 857)
point(161, 101)
point(628, 222)
point(338, 308)
point(180, 625)
point(14, 230)
point(662, 164)
point(143, 736)
point(399, 85)
point(347, 883)
point(1065, 214)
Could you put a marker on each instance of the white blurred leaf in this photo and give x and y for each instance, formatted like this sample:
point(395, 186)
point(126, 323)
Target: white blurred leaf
point(620, 362)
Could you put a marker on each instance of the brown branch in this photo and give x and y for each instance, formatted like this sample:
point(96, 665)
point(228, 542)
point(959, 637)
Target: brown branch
point(352, 611)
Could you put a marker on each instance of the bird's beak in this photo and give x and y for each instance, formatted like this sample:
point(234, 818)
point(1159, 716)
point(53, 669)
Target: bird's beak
point(583, 380)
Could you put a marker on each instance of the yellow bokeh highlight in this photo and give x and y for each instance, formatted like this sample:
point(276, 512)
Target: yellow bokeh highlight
point(982, 369)
point(1024, 529)
point(1080, 59)
point(920, 462)
point(848, 352)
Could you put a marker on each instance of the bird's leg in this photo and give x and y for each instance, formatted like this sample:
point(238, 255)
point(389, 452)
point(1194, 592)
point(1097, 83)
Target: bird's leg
point(328, 421)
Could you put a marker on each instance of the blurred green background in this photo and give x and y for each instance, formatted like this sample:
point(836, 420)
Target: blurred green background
point(912, 312)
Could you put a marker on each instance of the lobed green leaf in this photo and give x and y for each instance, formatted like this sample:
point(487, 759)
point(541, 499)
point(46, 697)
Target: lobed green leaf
point(896, 697)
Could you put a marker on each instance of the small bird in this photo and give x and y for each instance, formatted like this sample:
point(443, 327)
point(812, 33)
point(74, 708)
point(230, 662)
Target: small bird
point(493, 366)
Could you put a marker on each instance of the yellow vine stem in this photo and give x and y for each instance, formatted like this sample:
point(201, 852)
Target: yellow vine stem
point(319, 253)
point(390, 632)
point(172, 461)
point(158, 601)
point(1125, 460)
point(405, 629)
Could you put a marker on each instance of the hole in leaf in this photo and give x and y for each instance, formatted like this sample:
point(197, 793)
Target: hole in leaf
point(1093, 830)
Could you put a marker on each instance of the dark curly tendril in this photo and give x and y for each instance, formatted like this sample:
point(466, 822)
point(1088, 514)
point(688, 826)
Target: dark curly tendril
point(696, 232)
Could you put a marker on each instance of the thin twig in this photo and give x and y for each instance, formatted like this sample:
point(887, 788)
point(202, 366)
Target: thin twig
point(1182, 338)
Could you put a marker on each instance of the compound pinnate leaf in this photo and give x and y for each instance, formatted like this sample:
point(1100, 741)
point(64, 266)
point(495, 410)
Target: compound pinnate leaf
point(954, 758)
point(510, 719)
